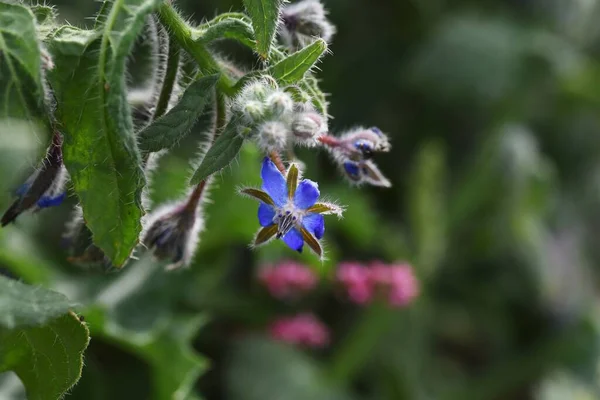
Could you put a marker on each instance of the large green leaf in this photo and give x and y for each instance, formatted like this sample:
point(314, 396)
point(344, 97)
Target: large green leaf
point(40, 339)
point(265, 17)
point(135, 310)
point(293, 68)
point(21, 80)
point(100, 147)
point(169, 129)
point(222, 152)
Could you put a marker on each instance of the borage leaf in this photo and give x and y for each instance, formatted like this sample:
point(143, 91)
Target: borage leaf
point(100, 148)
point(221, 154)
point(169, 129)
point(265, 17)
point(293, 68)
point(40, 339)
point(21, 81)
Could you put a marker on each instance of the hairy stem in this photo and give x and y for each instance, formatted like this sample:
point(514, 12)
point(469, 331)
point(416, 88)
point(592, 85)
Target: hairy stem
point(278, 162)
point(220, 121)
point(173, 57)
point(182, 32)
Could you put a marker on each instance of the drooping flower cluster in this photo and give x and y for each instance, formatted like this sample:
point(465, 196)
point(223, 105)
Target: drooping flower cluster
point(289, 210)
point(274, 120)
point(395, 283)
point(303, 330)
point(287, 279)
point(44, 188)
point(353, 152)
point(303, 22)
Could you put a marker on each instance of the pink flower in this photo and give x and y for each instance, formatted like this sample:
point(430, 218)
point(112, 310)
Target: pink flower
point(302, 330)
point(355, 279)
point(404, 287)
point(287, 279)
point(396, 282)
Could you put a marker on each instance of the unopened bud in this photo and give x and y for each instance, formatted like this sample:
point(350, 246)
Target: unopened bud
point(365, 171)
point(253, 111)
point(361, 143)
point(173, 232)
point(307, 126)
point(280, 104)
point(303, 22)
point(272, 135)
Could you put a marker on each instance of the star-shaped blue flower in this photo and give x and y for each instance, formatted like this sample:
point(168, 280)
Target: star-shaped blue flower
point(289, 209)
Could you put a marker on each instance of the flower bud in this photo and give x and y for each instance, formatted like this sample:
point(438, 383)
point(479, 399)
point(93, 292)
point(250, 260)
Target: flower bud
point(303, 22)
point(253, 111)
point(280, 104)
point(306, 126)
point(173, 232)
point(272, 135)
point(44, 188)
point(365, 171)
point(360, 144)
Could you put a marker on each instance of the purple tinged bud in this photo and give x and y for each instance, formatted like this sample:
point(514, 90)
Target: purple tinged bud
point(44, 188)
point(172, 233)
point(303, 22)
point(307, 126)
point(365, 171)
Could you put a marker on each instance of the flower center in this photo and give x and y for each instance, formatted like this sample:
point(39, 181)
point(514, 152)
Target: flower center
point(286, 218)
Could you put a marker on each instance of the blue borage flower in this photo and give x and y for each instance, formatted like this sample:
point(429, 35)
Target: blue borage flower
point(289, 209)
point(44, 188)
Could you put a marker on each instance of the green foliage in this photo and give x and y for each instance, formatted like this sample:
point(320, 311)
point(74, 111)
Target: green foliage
point(265, 17)
point(492, 116)
point(21, 85)
point(293, 68)
point(263, 370)
point(40, 339)
point(168, 130)
point(223, 151)
point(105, 140)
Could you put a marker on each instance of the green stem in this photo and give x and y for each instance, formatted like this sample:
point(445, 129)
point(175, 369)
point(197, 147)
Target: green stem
point(182, 32)
point(169, 79)
point(359, 344)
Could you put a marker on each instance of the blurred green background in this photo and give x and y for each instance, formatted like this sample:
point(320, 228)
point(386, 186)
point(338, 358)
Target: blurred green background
point(493, 109)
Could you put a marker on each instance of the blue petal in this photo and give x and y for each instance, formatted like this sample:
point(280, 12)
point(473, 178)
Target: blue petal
point(294, 240)
point(273, 182)
point(49, 201)
point(307, 194)
point(266, 213)
point(315, 224)
point(352, 170)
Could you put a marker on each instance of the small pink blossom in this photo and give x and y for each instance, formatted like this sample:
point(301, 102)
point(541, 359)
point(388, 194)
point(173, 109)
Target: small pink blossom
point(287, 279)
point(301, 330)
point(355, 278)
point(403, 287)
point(396, 283)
